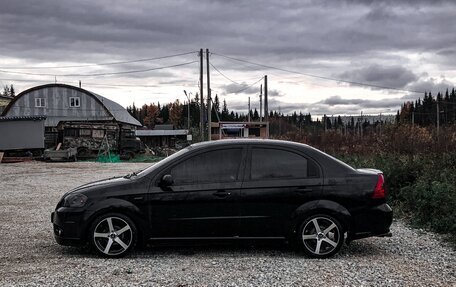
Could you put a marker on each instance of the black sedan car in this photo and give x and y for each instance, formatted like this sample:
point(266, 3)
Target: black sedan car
point(229, 189)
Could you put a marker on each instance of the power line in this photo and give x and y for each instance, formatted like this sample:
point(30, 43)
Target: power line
point(83, 83)
point(225, 76)
point(240, 84)
point(316, 76)
point(100, 74)
point(99, 64)
point(243, 89)
point(24, 80)
point(118, 85)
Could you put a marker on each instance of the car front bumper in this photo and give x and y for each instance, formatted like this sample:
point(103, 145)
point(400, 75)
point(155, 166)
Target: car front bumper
point(373, 221)
point(67, 226)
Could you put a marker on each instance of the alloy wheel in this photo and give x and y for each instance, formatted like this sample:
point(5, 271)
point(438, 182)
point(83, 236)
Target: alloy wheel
point(113, 236)
point(321, 236)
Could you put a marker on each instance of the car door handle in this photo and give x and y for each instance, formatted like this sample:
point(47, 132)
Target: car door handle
point(303, 189)
point(222, 193)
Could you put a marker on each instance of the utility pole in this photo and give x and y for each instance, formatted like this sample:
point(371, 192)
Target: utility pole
point(188, 110)
point(438, 117)
point(280, 122)
point(209, 99)
point(201, 97)
point(381, 123)
point(324, 118)
point(261, 103)
point(248, 112)
point(362, 124)
point(266, 112)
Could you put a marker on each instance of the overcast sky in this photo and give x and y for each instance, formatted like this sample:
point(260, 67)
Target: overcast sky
point(407, 45)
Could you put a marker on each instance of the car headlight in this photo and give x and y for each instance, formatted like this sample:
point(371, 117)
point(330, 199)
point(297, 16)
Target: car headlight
point(75, 200)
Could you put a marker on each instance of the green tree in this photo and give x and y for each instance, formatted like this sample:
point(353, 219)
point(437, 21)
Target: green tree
point(215, 109)
point(225, 113)
point(175, 113)
point(12, 91)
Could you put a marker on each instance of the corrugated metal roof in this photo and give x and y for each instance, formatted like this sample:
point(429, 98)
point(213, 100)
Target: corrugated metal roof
point(118, 112)
point(24, 118)
point(156, 133)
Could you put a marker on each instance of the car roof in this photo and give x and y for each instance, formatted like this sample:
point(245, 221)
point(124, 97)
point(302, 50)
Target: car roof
point(247, 141)
point(331, 165)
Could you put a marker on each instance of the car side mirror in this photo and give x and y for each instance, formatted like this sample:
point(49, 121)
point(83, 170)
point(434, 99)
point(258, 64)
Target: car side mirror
point(167, 180)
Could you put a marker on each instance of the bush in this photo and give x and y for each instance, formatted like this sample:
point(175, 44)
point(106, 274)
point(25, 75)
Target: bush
point(422, 186)
point(432, 204)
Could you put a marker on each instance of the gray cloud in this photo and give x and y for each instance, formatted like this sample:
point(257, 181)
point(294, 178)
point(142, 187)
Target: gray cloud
point(292, 29)
point(386, 103)
point(367, 41)
point(432, 85)
point(235, 88)
point(387, 76)
point(249, 90)
point(336, 105)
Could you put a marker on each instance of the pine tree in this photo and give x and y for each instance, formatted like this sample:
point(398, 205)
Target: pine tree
point(232, 116)
point(256, 116)
point(215, 108)
point(225, 113)
point(12, 92)
point(6, 91)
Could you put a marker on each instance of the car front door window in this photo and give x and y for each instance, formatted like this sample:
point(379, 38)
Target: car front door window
point(217, 166)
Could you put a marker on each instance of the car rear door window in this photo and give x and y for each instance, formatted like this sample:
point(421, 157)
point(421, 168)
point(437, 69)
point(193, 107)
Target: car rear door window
point(268, 163)
point(209, 167)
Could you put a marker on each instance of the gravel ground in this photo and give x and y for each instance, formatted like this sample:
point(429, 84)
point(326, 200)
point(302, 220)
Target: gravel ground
point(29, 256)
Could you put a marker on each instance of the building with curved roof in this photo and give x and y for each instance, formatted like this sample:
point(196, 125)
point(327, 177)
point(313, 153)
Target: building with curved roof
point(65, 103)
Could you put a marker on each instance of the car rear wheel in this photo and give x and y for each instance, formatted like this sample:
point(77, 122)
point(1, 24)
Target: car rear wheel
point(321, 236)
point(113, 235)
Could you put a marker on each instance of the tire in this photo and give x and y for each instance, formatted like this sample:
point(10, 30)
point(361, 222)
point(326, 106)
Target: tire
point(320, 236)
point(113, 235)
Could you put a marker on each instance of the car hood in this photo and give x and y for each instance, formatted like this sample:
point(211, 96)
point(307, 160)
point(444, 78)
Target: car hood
point(100, 183)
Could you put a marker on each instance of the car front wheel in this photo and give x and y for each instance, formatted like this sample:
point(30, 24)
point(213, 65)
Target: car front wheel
point(321, 236)
point(113, 235)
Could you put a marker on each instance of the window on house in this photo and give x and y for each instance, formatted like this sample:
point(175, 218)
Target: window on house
point(85, 132)
point(40, 102)
point(71, 132)
point(98, 134)
point(75, 102)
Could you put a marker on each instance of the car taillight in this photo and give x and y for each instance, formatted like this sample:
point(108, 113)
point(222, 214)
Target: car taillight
point(379, 191)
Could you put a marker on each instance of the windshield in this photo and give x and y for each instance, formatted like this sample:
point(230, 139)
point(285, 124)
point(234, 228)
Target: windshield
point(164, 161)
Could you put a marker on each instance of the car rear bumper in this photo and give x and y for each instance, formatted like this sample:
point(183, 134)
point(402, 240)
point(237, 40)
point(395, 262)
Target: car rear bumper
point(374, 221)
point(67, 226)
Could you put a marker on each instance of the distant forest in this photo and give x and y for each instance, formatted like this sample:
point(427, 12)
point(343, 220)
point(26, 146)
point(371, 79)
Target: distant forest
point(422, 112)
